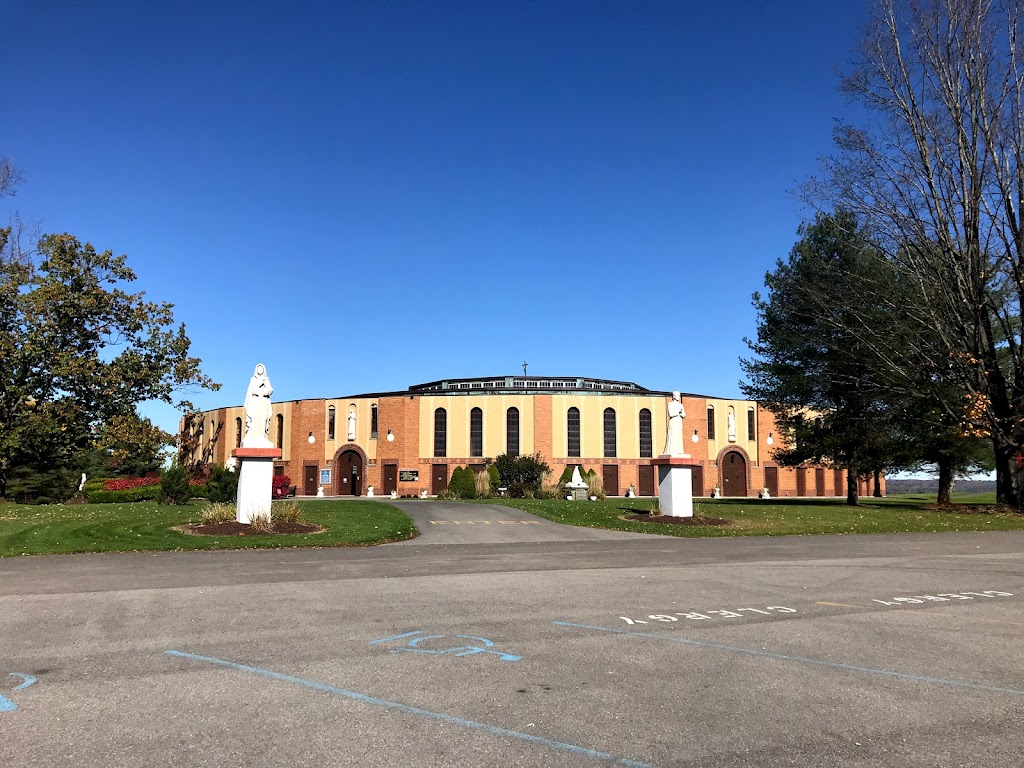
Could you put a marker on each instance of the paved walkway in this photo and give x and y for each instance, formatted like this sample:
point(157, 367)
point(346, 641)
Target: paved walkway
point(442, 522)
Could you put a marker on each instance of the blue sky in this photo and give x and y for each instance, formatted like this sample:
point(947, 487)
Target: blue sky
point(365, 196)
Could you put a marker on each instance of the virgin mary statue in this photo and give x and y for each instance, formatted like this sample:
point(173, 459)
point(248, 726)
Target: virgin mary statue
point(258, 410)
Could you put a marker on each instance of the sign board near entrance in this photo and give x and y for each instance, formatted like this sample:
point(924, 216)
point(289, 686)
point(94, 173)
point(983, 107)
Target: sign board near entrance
point(325, 477)
point(408, 475)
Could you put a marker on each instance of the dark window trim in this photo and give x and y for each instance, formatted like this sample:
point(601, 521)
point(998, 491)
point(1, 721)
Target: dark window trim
point(572, 432)
point(476, 432)
point(440, 433)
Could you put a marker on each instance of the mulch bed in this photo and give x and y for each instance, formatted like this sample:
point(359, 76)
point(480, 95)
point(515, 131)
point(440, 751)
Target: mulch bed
point(235, 528)
point(975, 509)
point(695, 520)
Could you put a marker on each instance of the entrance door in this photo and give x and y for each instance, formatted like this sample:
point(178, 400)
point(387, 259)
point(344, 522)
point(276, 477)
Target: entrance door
point(349, 471)
point(819, 482)
point(801, 481)
point(837, 480)
point(771, 481)
point(697, 481)
point(310, 476)
point(390, 478)
point(734, 475)
point(610, 475)
point(646, 479)
point(439, 479)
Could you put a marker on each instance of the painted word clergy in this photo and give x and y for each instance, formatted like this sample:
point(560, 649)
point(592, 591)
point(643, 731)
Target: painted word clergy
point(674, 469)
point(256, 452)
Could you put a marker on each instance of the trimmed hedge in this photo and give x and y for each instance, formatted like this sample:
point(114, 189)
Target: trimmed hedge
point(142, 493)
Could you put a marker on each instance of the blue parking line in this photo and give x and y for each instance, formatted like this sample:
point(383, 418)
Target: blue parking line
point(799, 659)
point(394, 705)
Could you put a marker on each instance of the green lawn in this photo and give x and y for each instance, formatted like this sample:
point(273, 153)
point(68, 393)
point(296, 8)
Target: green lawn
point(757, 517)
point(146, 525)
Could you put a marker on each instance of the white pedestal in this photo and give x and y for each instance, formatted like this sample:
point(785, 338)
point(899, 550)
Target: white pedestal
point(675, 487)
point(255, 481)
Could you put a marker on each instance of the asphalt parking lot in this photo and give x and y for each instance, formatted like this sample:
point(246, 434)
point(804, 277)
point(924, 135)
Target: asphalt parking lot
point(641, 651)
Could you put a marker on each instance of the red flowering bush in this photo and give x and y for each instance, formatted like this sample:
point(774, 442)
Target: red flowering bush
point(281, 486)
point(124, 483)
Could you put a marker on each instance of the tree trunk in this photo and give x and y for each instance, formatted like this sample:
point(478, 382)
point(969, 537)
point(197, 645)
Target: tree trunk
point(1006, 490)
point(878, 484)
point(945, 479)
point(851, 486)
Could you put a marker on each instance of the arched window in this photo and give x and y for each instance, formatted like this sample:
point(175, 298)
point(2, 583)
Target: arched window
point(476, 432)
point(711, 422)
point(751, 426)
point(238, 433)
point(646, 437)
point(512, 432)
point(330, 423)
point(373, 420)
point(609, 433)
point(280, 431)
point(573, 431)
point(440, 432)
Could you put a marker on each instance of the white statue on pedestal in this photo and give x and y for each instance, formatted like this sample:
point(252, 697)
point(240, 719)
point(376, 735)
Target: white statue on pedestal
point(730, 426)
point(674, 438)
point(352, 424)
point(258, 410)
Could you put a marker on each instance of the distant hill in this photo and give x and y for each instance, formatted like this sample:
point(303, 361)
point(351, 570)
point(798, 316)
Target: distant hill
point(932, 486)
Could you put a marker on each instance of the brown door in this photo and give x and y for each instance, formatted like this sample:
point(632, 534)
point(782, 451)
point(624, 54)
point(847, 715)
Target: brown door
point(610, 475)
point(349, 471)
point(310, 476)
point(646, 479)
point(819, 482)
point(390, 478)
point(801, 481)
point(439, 479)
point(771, 480)
point(697, 481)
point(734, 475)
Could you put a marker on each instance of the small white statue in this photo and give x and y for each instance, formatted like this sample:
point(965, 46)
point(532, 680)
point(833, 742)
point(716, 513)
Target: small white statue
point(258, 410)
point(394, 494)
point(423, 493)
point(320, 492)
point(730, 426)
point(369, 492)
point(81, 485)
point(352, 424)
point(231, 464)
point(674, 438)
point(765, 494)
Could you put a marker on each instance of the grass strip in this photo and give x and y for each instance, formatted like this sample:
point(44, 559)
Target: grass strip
point(789, 517)
point(148, 526)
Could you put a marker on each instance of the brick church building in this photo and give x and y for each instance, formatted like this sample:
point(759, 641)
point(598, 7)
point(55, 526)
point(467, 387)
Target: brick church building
point(410, 441)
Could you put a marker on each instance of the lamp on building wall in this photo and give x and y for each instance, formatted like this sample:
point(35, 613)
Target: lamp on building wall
point(391, 436)
point(695, 438)
point(311, 438)
point(770, 440)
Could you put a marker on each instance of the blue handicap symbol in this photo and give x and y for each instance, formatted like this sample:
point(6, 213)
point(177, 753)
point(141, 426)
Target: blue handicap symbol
point(417, 637)
point(6, 705)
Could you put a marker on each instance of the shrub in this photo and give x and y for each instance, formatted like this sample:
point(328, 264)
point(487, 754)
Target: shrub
point(566, 474)
point(222, 485)
point(174, 486)
point(462, 484)
point(550, 488)
point(219, 513)
point(522, 475)
point(124, 483)
point(142, 493)
point(286, 512)
point(482, 481)
point(261, 524)
point(494, 476)
point(595, 485)
point(280, 486)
